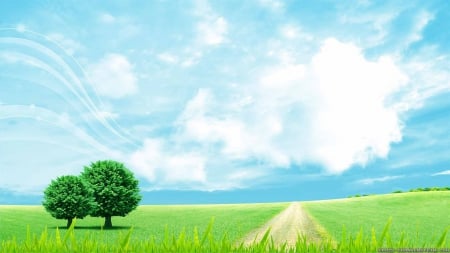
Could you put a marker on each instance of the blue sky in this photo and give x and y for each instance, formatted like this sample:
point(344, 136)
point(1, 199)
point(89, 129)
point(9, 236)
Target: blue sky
point(226, 101)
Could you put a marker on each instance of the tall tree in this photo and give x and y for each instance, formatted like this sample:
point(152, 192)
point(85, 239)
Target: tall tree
point(68, 197)
point(116, 191)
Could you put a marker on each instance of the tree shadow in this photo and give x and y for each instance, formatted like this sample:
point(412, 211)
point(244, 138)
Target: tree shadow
point(93, 228)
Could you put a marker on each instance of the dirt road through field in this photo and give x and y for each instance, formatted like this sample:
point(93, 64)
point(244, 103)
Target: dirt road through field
point(286, 226)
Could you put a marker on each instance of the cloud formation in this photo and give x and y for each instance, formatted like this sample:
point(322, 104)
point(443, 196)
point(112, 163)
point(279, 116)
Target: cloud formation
point(351, 118)
point(212, 95)
point(155, 163)
point(333, 111)
point(113, 76)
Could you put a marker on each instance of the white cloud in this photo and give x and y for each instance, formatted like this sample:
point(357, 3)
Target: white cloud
point(213, 31)
point(163, 166)
point(442, 173)
point(333, 111)
point(428, 75)
point(191, 57)
point(375, 25)
point(352, 121)
point(113, 76)
point(212, 28)
point(421, 21)
point(197, 126)
point(369, 181)
point(239, 140)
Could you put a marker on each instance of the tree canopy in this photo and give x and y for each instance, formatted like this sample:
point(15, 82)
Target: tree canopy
point(115, 190)
point(68, 197)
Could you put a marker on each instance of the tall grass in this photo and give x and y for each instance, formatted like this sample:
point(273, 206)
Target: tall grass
point(207, 243)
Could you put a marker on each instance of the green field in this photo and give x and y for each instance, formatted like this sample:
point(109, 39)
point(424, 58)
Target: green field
point(422, 216)
point(147, 221)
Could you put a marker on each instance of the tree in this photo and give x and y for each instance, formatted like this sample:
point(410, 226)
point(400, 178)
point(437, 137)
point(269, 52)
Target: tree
point(68, 197)
point(116, 191)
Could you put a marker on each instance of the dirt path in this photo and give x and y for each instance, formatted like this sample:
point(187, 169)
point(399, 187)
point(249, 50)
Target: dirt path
point(286, 226)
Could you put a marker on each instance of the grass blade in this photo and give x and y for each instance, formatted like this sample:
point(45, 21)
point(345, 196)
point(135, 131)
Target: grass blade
point(385, 232)
point(196, 238)
point(373, 242)
point(126, 240)
point(441, 241)
point(208, 231)
point(43, 238)
point(69, 231)
point(57, 237)
point(265, 239)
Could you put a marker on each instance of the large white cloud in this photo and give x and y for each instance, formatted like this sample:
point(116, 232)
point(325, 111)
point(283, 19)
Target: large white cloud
point(113, 76)
point(333, 111)
point(351, 117)
point(336, 111)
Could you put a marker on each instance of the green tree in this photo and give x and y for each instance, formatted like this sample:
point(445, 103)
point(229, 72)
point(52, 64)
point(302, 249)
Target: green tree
point(116, 191)
point(68, 197)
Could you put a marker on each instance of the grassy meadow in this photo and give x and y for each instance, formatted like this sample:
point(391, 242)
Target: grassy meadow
point(421, 216)
point(419, 220)
point(147, 221)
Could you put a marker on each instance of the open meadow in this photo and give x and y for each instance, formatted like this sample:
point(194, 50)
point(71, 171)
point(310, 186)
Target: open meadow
point(419, 220)
point(420, 216)
point(147, 221)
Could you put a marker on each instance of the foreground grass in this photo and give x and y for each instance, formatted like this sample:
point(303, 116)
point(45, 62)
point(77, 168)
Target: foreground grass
point(420, 216)
point(208, 243)
point(148, 222)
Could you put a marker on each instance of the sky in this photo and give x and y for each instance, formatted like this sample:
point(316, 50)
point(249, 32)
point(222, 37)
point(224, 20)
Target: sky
point(226, 101)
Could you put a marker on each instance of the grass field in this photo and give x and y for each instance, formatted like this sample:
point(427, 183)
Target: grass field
point(147, 221)
point(423, 216)
point(419, 219)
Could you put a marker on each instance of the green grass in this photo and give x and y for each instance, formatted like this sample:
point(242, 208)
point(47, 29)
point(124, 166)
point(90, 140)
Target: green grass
point(207, 243)
point(147, 221)
point(419, 220)
point(421, 216)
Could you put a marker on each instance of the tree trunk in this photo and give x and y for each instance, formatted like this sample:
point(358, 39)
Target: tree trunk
point(69, 222)
point(108, 223)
